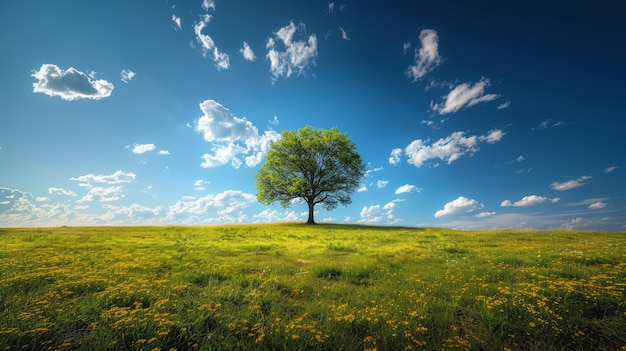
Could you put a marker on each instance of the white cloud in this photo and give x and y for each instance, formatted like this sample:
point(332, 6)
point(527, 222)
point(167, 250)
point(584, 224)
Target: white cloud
point(42, 199)
point(164, 152)
point(381, 184)
point(464, 95)
point(61, 191)
point(127, 75)
point(427, 57)
point(269, 215)
point(448, 149)
point(570, 184)
point(485, 214)
point(503, 105)
point(519, 158)
point(298, 55)
point(102, 194)
point(363, 188)
point(115, 178)
point(177, 22)
point(394, 158)
point(407, 188)
point(231, 137)
point(371, 214)
point(142, 148)
point(373, 170)
point(70, 84)
point(459, 207)
point(597, 205)
point(406, 46)
point(547, 124)
point(493, 137)
point(331, 7)
point(344, 34)
point(131, 213)
point(200, 184)
point(530, 200)
point(208, 46)
point(208, 4)
point(609, 169)
point(226, 205)
point(247, 52)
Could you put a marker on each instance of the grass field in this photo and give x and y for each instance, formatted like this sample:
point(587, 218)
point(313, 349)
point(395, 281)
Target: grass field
point(322, 287)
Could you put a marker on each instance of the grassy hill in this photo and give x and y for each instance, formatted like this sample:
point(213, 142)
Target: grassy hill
point(324, 287)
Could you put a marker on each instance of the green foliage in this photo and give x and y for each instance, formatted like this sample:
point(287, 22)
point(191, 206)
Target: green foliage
point(315, 165)
point(298, 287)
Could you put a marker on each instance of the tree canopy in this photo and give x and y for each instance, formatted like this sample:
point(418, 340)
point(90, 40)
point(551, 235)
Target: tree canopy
point(316, 165)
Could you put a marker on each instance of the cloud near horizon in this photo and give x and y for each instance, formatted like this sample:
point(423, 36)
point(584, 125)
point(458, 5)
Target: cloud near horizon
point(70, 84)
point(462, 206)
point(530, 200)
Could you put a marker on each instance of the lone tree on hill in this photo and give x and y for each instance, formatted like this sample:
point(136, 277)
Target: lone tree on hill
point(316, 165)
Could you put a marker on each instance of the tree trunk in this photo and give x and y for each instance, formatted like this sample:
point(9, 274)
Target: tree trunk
point(311, 211)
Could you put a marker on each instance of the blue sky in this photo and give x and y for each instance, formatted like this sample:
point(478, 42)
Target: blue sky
point(489, 115)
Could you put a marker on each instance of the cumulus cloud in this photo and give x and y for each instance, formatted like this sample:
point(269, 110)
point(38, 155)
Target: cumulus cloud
point(407, 188)
point(381, 184)
point(448, 149)
point(164, 152)
point(142, 148)
point(232, 137)
point(18, 210)
point(208, 45)
point(464, 95)
point(570, 184)
point(102, 194)
point(9, 196)
point(226, 205)
point(115, 178)
point(378, 214)
point(394, 158)
point(460, 207)
point(530, 200)
point(247, 52)
point(131, 213)
point(69, 84)
point(61, 191)
point(298, 55)
point(127, 75)
point(269, 215)
point(485, 214)
point(426, 57)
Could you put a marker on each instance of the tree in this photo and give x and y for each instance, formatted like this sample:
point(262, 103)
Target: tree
point(316, 165)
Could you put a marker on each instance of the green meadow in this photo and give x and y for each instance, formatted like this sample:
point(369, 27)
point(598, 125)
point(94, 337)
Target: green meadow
point(321, 287)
